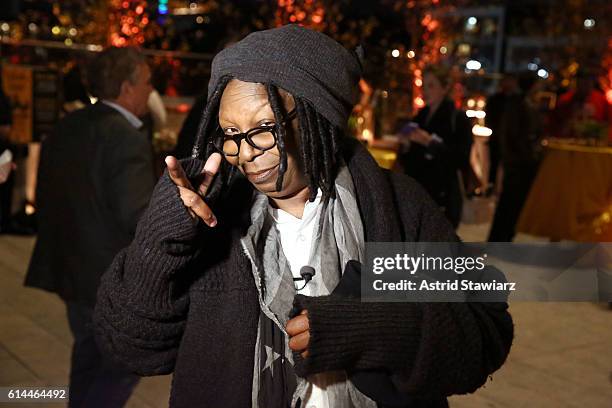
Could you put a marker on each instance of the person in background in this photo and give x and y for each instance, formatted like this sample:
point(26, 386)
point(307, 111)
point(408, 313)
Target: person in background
point(157, 109)
point(94, 181)
point(6, 170)
point(518, 135)
point(496, 107)
point(439, 144)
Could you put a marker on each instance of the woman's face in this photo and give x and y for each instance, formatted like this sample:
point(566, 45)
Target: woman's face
point(433, 91)
point(244, 106)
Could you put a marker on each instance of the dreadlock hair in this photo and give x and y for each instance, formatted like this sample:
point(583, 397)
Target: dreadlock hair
point(319, 142)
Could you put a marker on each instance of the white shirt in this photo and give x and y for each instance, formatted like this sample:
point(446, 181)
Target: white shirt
point(129, 116)
point(296, 237)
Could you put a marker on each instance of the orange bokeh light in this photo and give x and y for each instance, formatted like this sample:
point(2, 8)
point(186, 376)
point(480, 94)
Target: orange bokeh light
point(183, 108)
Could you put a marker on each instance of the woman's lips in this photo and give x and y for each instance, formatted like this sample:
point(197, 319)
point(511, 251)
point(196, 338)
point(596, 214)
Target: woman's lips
point(262, 176)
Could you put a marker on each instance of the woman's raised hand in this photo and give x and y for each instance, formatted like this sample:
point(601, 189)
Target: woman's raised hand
point(193, 195)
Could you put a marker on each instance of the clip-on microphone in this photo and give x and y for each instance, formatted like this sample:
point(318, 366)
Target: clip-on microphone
point(306, 273)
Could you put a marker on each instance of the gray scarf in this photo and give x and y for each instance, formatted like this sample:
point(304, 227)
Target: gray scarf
point(338, 239)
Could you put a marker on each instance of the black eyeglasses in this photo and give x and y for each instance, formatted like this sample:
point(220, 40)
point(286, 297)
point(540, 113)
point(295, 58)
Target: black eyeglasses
point(261, 138)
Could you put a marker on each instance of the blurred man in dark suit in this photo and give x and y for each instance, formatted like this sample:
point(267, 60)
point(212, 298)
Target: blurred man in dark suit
point(95, 179)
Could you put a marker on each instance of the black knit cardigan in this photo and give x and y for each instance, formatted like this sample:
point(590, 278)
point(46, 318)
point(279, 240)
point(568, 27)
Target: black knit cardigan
point(181, 299)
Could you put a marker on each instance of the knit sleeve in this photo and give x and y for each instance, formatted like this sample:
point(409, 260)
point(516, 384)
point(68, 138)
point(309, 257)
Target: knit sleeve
point(141, 305)
point(429, 349)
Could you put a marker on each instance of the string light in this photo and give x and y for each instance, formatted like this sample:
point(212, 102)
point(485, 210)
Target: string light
point(309, 13)
point(129, 22)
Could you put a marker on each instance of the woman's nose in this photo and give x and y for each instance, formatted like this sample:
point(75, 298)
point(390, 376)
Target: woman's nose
point(247, 152)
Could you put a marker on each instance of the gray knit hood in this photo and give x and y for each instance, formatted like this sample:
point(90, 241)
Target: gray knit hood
point(306, 63)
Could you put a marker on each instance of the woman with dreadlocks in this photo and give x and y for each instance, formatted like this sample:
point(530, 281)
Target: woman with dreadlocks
point(232, 281)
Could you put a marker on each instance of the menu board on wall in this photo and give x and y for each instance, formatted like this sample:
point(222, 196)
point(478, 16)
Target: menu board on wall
point(35, 101)
point(17, 85)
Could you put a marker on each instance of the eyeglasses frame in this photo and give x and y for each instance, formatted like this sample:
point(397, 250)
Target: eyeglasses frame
point(239, 137)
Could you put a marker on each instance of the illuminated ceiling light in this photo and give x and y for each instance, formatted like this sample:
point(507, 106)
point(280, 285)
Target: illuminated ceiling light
point(472, 21)
point(55, 30)
point(199, 19)
point(443, 50)
point(471, 103)
point(542, 73)
point(5, 27)
point(473, 65)
point(410, 54)
point(72, 32)
point(532, 67)
point(589, 23)
point(68, 42)
point(478, 114)
point(482, 131)
point(395, 53)
point(481, 103)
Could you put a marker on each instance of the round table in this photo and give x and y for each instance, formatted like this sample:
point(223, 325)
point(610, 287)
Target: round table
point(571, 197)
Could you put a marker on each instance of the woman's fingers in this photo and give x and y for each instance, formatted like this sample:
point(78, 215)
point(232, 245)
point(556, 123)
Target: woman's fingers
point(193, 201)
point(197, 207)
point(298, 324)
point(210, 170)
point(300, 342)
point(176, 172)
